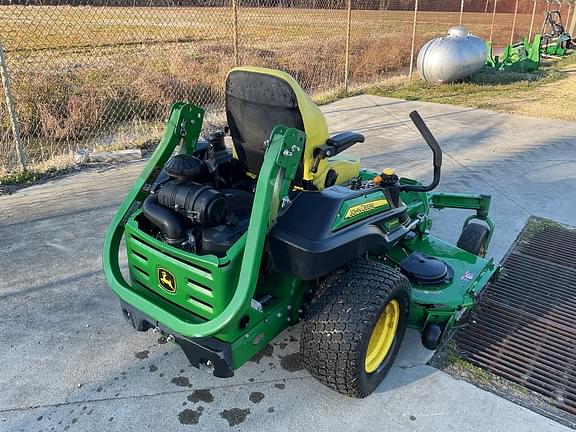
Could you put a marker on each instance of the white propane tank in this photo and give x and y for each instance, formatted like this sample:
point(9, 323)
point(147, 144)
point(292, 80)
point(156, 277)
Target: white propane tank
point(451, 58)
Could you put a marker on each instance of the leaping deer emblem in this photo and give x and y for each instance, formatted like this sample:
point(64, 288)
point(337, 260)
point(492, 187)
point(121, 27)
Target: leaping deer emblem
point(166, 280)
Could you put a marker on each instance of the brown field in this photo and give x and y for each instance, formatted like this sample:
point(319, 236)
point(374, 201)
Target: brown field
point(80, 74)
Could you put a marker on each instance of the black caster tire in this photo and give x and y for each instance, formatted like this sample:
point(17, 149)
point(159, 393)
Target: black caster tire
point(474, 239)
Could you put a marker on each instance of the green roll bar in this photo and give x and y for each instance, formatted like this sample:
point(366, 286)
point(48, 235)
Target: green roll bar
point(281, 160)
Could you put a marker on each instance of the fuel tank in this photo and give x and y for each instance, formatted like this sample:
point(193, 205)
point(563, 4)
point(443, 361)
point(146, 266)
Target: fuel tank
point(451, 58)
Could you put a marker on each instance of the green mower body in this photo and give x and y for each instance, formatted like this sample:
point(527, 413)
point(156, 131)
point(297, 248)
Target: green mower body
point(227, 289)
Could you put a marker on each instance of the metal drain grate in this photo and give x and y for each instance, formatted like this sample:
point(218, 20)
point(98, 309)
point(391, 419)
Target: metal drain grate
point(524, 328)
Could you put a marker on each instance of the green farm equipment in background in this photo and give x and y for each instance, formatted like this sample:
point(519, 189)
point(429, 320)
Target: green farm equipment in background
point(524, 56)
point(519, 57)
point(229, 245)
point(555, 40)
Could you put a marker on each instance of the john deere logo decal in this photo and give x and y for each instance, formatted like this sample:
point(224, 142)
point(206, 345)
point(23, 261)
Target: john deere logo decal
point(365, 207)
point(166, 280)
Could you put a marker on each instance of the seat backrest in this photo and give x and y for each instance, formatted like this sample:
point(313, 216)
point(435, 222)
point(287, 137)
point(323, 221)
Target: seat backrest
point(257, 100)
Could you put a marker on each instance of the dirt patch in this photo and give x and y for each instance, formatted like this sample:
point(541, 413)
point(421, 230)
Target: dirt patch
point(267, 351)
point(553, 100)
point(142, 354)
point(235, 416)
point(292, 362)
point(181, 381)
point(203, 395)
point(256, 397)
point(190, 416)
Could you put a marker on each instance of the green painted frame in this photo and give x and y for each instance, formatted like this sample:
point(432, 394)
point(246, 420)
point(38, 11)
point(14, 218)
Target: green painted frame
point(278, 170)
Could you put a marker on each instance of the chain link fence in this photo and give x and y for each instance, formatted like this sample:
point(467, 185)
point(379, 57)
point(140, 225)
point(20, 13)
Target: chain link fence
point(101, 74)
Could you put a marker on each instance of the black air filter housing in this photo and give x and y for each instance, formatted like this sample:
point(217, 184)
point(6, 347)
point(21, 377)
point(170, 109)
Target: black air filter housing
point(203, 205)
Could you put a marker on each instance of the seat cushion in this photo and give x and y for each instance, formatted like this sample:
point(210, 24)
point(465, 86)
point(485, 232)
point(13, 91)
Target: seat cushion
point(258, 99)
point(347, 167)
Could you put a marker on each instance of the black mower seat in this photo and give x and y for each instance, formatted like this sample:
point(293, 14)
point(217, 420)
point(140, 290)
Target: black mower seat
point(259, 99)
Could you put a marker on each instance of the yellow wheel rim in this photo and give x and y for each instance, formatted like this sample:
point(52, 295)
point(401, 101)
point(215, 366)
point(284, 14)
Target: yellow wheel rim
point(382, 336)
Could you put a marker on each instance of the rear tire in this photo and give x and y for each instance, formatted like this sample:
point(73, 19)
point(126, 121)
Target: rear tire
point(340, 322)
point(474, 239)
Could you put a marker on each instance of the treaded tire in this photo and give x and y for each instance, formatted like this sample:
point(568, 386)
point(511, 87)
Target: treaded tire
point(340, 320)
point(473, 239)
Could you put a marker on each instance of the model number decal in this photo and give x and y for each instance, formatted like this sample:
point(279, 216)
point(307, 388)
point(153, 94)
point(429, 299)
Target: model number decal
point(363, 208)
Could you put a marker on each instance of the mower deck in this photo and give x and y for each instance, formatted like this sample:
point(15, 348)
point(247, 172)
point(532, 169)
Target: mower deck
point(448, 303)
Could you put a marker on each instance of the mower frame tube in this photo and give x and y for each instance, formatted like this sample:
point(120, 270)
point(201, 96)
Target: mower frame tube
point(478, 202)
point(277, 172)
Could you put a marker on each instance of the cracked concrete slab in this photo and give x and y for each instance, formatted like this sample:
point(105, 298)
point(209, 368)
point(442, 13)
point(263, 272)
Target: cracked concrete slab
point(72, 363)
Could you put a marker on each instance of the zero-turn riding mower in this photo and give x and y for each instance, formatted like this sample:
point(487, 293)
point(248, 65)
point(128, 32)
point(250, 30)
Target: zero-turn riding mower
point(228, 247)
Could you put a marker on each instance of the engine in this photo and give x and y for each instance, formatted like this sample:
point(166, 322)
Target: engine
point(202, 204)
point(198, 203)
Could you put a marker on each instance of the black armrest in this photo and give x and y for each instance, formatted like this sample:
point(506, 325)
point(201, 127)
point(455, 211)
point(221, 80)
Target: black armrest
point(334, 145)
point(345, 139)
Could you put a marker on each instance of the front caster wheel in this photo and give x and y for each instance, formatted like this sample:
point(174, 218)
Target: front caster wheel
point(354, 327)
point(474, 239)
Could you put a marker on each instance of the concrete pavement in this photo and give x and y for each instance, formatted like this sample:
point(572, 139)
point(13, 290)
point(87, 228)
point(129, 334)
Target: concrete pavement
point(72, 363)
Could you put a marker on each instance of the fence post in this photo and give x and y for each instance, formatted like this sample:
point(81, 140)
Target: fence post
point(12, 110)
point(347, 54)
point(235, 30)
point(493, 20)
point(413, 41)
point(573, 22)
point(568, 15)
point(461, 12)
point(514, 23)
point(532, 20)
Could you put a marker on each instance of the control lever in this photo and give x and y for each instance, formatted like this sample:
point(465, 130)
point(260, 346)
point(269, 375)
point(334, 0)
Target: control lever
point(436, 150)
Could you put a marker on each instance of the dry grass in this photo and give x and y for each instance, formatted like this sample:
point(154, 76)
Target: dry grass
point(552, 100)
point(73, 27)
point(82, 76)
point(549, 92)
point(66, 103)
